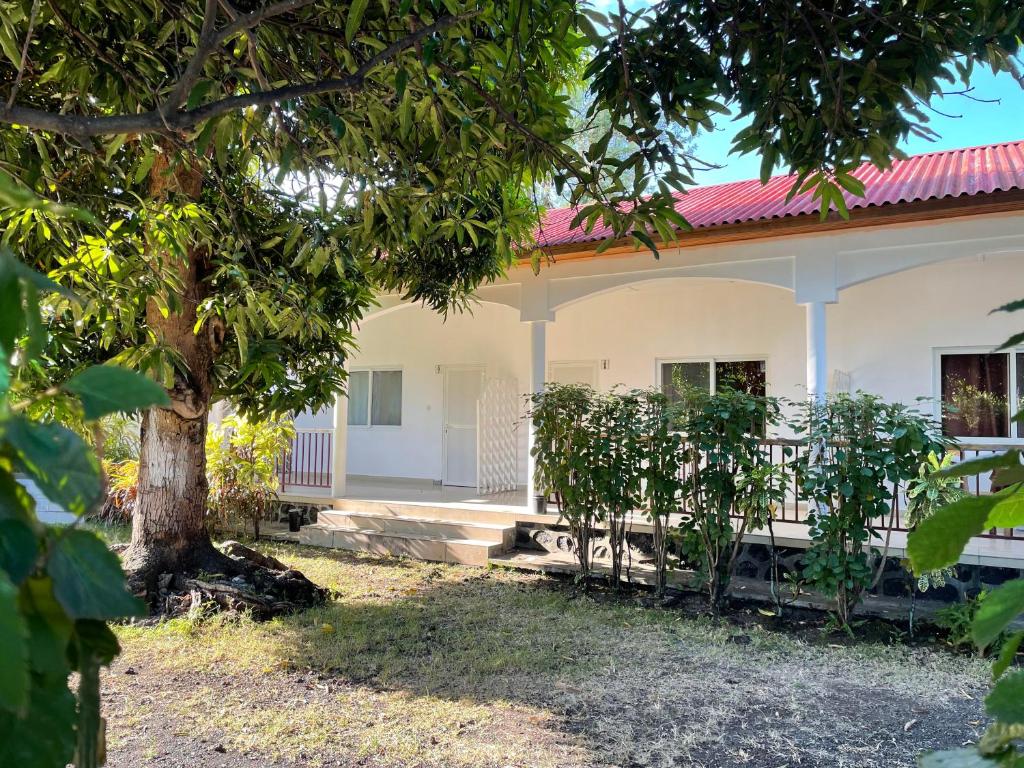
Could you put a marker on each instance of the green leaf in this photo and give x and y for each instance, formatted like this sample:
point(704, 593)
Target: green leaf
point(1013, 306)
point(64, 467)
point(1006, 700)
point(15, 501)
point(1007, 654)
point(985, 464)
point(1008, 511)
point(87, 578)
point(1001, 607)
point(18, 549)
point(49, 629)
point(12, 315)
point(355, 18)
point(107, 389)
point(97, 639)
point(45, 734)
point(1013, 341)
point(939, 541)
point(14, 676)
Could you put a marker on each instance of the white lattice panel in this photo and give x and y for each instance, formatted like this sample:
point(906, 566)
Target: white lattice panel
point(496, 439)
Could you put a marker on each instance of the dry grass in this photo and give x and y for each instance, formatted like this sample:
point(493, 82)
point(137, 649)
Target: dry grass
point(417, 664)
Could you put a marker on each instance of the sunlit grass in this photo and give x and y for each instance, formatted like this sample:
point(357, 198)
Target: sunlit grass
point(414, 663)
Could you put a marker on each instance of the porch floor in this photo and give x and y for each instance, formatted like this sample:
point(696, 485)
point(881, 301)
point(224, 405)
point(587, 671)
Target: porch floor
point(433, 500)
point(408, 490)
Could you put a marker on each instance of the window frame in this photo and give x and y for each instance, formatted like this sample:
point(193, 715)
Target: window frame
point(713, 379)
point(369, 370)
point(1013, 396)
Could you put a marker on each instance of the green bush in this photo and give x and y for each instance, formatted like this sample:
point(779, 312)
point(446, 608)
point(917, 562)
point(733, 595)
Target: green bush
point(926, 493)
point(861, 450)
point(240, 463)
point(661, 471)
point(727, 473)
point(563, 461)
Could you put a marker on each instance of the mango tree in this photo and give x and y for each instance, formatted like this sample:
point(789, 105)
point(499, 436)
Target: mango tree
point(258, 168)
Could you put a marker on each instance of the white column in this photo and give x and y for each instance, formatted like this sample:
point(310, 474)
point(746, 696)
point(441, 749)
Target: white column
point(339, 446)
point(817, 359)
point(538, 363)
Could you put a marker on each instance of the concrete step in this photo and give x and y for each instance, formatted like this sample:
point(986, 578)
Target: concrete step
point(469, 513)
point(448, 550)
point(429, 527)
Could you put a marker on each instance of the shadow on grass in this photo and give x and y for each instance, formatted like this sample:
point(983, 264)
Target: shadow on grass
point(476, 636)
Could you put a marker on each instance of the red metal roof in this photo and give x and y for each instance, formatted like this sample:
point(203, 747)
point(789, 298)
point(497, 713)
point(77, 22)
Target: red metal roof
point(952, 173)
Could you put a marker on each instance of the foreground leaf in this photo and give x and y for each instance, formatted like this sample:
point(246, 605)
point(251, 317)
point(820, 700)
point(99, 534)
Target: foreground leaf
point(18, 549)
point(44, 735)
point(105, 389)
point(985, 464)
point(1006, 701)
point(940, 540)
point(59, 461)
point(1008, 512)
point(1007, 654)
point(49, 629)
point(87, 578)
point(1001, 606)
point(13, 648)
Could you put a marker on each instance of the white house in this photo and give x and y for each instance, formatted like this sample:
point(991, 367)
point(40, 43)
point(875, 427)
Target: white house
point(428, 454)
point(895, 301)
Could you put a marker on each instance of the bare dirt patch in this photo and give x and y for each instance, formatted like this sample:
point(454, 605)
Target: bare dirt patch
point(417, 664)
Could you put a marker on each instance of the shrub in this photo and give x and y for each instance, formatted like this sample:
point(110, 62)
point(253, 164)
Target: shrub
point(619, 450)
point(860, 451)
point(563, 454)
point(727, 473)
point(58, 585)
point(122, 489)
point(926, 493)
point(662, 475)
point(240, 464)
point(120, 434)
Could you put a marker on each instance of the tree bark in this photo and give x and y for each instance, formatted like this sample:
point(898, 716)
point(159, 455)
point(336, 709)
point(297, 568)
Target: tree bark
point(169, 534)
point(168, 527)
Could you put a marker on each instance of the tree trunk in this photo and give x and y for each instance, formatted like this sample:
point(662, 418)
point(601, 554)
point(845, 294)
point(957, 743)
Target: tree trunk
point(168, 526)
point(169, 534)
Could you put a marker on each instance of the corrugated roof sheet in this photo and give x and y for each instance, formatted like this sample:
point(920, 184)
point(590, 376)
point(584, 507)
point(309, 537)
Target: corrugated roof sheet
point(953, 173)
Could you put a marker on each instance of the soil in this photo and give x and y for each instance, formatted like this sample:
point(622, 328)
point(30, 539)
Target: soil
point(630, 686)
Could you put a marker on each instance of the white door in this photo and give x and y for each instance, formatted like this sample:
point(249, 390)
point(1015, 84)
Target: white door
point(462, 387)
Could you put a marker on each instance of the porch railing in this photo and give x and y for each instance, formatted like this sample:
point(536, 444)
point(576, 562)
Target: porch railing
point(786, 452)
point(308, 461)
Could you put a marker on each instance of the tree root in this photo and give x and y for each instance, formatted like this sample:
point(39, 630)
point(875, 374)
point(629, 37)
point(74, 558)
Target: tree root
point(233, 579)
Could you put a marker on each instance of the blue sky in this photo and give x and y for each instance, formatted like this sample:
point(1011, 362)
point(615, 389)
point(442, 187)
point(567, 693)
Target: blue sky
point(976, 123)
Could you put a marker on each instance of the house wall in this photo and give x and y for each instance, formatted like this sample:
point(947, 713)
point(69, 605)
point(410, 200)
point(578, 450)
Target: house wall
point(882, 332)
point(418, 340)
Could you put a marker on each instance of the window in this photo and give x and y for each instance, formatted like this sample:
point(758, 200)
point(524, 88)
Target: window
point(713, 375)
point(980, 392)
point(375, 398)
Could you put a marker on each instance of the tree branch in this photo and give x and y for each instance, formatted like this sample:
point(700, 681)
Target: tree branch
point(158, 121)
point(207, 44)
point(24, 54)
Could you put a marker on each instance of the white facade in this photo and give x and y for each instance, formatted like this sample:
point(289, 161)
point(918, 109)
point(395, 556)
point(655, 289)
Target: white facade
point(859, 309)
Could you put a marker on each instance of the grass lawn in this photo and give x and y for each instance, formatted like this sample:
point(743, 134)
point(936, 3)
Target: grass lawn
point(419, 664)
